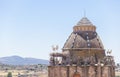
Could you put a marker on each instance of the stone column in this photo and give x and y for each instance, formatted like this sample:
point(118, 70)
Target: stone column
point(91, 71)
point(67, 71)
point(85, 71)
point(99, 71)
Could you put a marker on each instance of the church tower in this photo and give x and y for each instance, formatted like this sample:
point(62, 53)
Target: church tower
point(83, 55)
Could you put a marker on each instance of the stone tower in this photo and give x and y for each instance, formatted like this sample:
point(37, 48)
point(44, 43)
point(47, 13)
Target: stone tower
point(83, 55)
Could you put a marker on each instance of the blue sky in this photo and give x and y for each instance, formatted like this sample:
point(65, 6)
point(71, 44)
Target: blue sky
point(29, 28)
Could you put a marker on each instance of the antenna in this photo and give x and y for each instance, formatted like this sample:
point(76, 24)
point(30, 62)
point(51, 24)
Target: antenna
point(84, 13)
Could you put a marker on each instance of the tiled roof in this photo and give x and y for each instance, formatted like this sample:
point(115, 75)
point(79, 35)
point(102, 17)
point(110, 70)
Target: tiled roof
point(84, 21)
point(78, 40)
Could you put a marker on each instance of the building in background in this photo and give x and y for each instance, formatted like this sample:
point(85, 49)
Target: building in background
point(83, 55)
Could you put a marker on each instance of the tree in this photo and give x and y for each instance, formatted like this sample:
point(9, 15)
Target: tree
point(9, 74)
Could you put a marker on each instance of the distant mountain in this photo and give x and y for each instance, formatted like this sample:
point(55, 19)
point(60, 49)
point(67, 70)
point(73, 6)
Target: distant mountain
point(17, 60)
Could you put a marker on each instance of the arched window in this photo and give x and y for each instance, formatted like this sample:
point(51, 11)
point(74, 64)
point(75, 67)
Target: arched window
point(76, 75)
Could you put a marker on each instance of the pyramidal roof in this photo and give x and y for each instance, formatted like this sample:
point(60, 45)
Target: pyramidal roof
point(84, 21)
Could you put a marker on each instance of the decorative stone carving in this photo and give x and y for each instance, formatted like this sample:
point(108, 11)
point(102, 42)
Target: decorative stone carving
point(91, 71)
point(83, 55)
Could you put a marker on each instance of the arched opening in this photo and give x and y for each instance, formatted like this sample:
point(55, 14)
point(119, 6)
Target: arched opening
point(76, 74)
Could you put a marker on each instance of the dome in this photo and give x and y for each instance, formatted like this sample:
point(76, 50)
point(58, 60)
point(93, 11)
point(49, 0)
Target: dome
point(81, 40)
point(84, 36)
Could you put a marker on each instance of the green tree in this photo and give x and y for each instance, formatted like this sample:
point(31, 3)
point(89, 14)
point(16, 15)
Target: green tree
point(9, 74)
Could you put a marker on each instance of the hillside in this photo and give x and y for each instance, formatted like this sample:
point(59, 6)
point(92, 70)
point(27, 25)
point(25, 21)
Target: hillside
point(17, 60)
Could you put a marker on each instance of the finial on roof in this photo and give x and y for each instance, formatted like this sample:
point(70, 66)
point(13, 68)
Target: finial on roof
point(84, 13)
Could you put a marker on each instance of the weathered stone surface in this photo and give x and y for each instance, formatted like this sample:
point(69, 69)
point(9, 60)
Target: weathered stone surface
point(83, 55)
point(83, 71)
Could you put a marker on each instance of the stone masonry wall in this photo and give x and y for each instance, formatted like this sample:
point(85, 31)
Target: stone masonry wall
point(83, 71)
